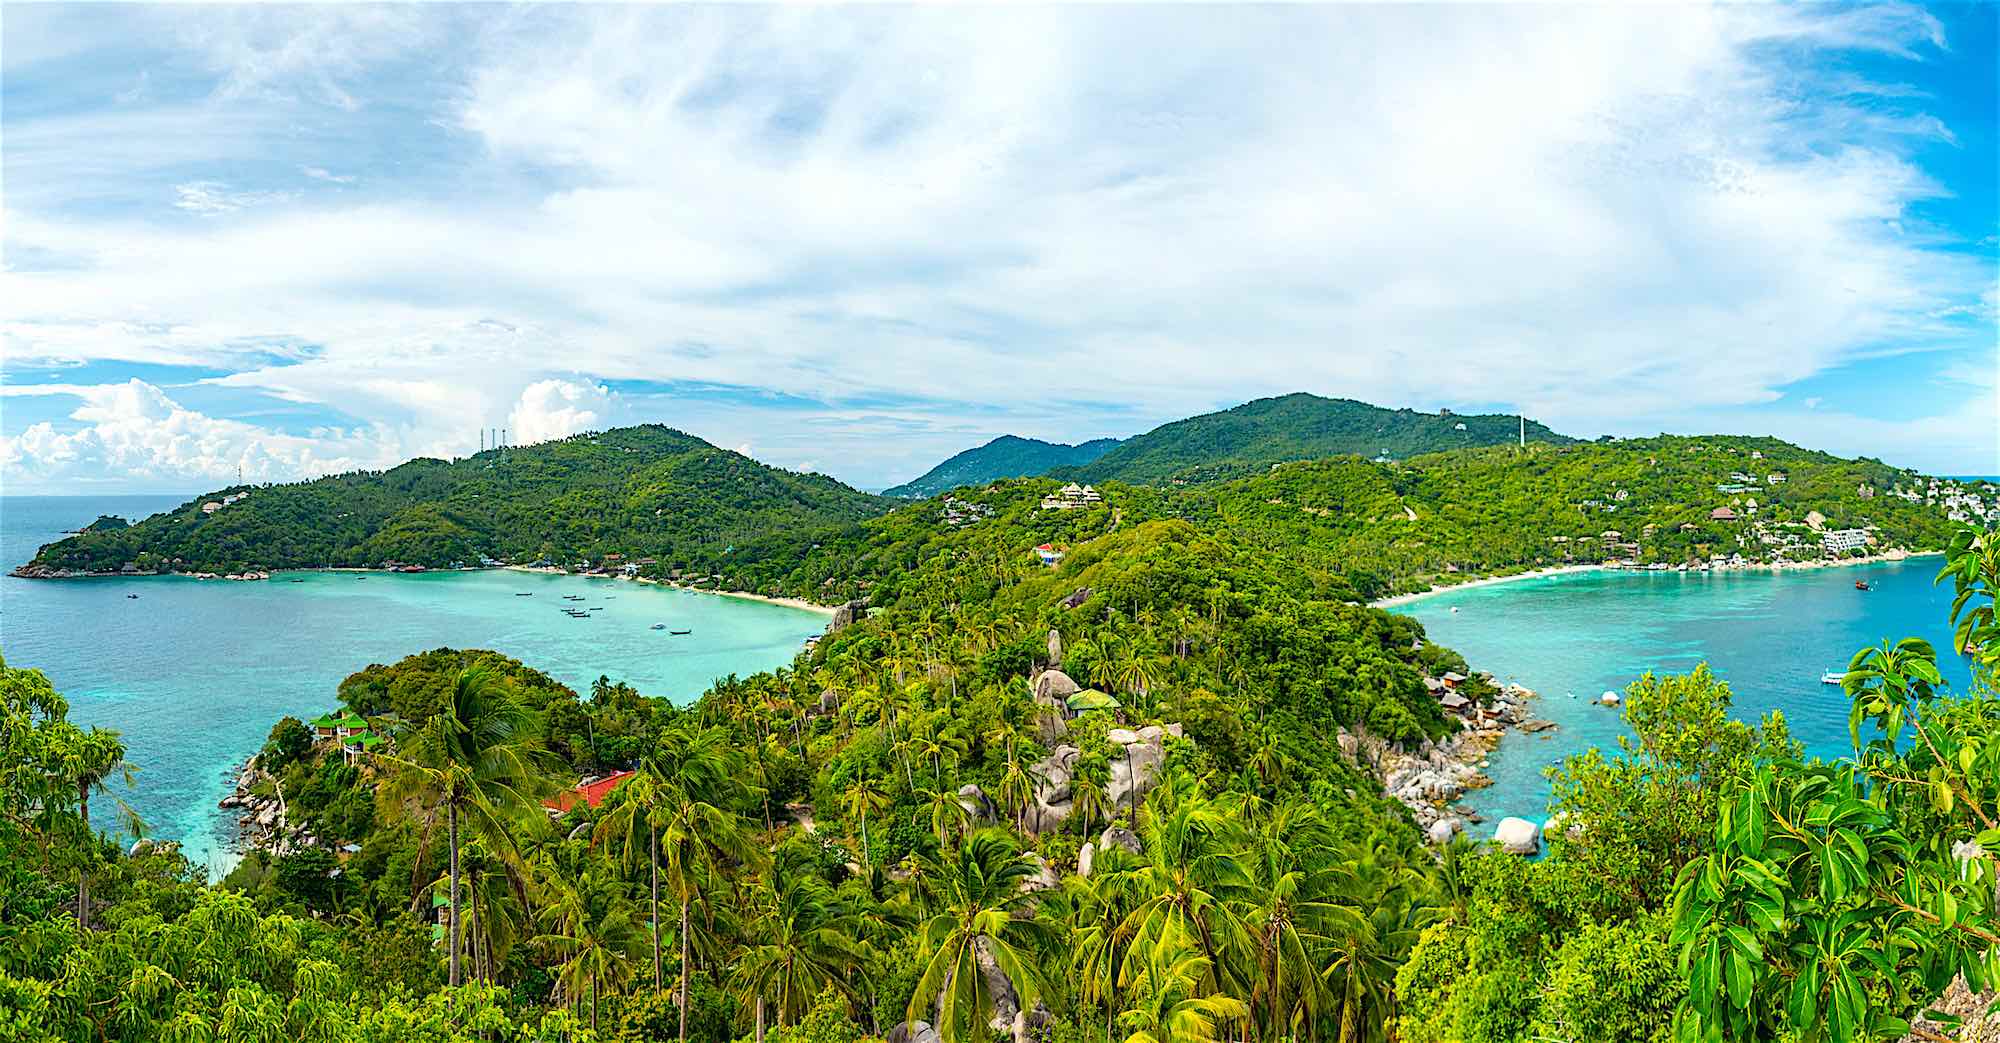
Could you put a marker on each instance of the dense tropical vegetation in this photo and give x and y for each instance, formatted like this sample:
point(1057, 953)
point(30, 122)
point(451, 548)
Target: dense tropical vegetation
point(671, 507)
point(791, 856)
point(1251, 437)
point(645, 491)
point(915, 822)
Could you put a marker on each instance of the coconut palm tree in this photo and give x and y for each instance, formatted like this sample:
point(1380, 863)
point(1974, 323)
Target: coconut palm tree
point(946, 812)
point(984, 909)
point(86, 760)
point(863, 796)
point(799, 940)
point(476, 762)
point(631, 825)
point(1090, 790)
point(698, 831)
point(1173, 1005)
point(1194, 880)
point(587, 924)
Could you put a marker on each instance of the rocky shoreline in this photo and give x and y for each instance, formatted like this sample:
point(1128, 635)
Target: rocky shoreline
point(262, 823)
point(1430, 779)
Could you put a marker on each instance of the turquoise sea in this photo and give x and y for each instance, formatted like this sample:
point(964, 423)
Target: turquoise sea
point(1770, 635)
point(194, 673)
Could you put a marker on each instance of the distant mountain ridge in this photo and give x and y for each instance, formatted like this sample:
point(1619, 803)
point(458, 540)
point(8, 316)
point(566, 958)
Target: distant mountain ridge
point(1232, 443)
point(1008, 456)
point(1239, 441)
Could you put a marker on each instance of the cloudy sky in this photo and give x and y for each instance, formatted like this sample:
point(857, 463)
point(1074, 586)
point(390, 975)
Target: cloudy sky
point(293, 240)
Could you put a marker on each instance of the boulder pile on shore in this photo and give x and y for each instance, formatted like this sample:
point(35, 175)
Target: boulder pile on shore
point(1429, 778)
point(262, 824)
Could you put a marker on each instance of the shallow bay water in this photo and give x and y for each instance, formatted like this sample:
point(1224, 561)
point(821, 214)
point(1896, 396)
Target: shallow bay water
point(1770, 635)
point(195, 672)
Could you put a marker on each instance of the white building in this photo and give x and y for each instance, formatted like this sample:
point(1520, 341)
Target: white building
point(1841, 540)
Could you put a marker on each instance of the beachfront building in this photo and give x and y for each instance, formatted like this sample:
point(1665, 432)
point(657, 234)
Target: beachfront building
point(1840, 541)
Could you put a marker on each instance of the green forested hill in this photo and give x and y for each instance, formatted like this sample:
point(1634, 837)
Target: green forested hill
point(1007, 456)
point(1253, 436)
point(1361, 529)
point(638, 491)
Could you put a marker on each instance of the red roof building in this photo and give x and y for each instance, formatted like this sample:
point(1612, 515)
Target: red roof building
point(591, 793)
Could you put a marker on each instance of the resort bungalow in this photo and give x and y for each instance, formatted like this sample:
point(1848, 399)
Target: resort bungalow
point(1049, 555)
point(342, 727)
point(1455, 702)
point(589, 791)
point(1722, 514)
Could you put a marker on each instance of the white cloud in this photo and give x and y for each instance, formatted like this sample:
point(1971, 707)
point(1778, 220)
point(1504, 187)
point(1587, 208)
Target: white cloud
point(210, 198)
point(551, 409)
point(134, 434)
point(323, 174)
point(1606, 215)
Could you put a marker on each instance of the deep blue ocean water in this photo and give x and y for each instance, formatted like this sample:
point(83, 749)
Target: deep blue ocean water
point(194, 673)
point(1769, 635)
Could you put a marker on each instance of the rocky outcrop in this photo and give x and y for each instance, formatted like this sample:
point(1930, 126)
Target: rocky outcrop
point(1052, 690)
point(977, 804)
point(1055, 649)
point(914, 1032)
point(1118, 836)
point(847, 615)
point(1135, 762)
point(1430, 778)
point(262, 824)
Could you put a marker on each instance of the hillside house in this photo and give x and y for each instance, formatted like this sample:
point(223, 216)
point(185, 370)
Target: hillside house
point(589, 791)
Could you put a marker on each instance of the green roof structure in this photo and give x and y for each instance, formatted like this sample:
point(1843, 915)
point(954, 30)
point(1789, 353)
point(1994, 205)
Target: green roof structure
point(1092, 699)
point(326, 720)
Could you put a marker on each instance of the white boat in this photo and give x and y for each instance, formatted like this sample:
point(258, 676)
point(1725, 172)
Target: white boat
point(1831, 677)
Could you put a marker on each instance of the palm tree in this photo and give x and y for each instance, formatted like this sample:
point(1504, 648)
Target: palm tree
point(1173, 1006)
point(588, 925)
point(697, 831)
point(981, 884)
point(86, 760)
point(863, 796)
point(1090, 790)
point(1017, 791)
point(800, 941)
point(1194, 880)
point(1093, 908)
point(947, 813)
point(476, 761)
point(639, 807)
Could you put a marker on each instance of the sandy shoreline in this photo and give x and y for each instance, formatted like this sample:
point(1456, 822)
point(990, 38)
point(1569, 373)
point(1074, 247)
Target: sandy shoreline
point(798, 603)
point(1794, 566)
point(1489, 581)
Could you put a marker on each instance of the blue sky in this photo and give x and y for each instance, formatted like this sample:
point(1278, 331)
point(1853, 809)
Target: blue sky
point(291, 240)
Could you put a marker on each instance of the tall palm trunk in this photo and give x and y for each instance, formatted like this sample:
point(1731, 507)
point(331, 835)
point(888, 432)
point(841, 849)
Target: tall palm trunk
point(655, 845)
point(684, 968)
point(760, 1018)
point(451, 932)
point(83, 870)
